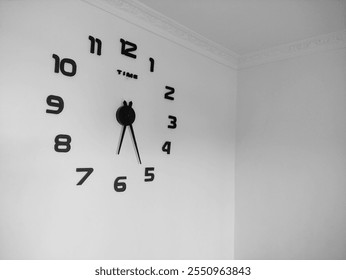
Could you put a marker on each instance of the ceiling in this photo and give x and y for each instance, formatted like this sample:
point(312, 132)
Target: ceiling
point(247, 26)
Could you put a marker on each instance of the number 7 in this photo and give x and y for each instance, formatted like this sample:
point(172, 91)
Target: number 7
point(88, 173)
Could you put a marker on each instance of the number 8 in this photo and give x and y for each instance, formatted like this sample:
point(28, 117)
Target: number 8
point(62, 143)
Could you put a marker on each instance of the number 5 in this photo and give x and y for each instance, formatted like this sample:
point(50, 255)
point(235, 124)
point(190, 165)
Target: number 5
point(149, 173)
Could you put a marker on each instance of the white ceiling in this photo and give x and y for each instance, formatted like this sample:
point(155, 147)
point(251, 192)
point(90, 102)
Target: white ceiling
point(246, 26)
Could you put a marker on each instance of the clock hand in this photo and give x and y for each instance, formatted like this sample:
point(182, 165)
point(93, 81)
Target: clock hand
point(121, 138)
point(134, 140)
point(126, 116)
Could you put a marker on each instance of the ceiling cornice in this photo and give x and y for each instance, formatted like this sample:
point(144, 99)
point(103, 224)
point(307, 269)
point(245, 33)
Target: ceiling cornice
point(328, 41)
point(138, 14)
point(142, 16)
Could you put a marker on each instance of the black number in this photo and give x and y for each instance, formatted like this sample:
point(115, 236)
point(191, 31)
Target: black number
point(61, 66)
point(118, 185)
point(149, 173)
point(92, 45)
point(127, 48)
point(62, 143)
point(57, 102)
point(152, 64)
point(173, 123)
point(87, 174)
point(168, 95)
point(167, 147)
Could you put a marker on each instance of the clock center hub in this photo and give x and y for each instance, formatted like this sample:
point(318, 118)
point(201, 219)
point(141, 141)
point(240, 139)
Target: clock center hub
point(125, 114)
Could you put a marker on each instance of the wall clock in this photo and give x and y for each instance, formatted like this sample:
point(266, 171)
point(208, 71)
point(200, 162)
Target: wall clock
point(124, 112)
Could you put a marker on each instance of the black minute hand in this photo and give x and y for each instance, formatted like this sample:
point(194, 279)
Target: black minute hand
point(121, 138)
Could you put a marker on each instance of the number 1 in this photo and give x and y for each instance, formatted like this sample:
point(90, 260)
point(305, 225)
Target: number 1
point(152, 64)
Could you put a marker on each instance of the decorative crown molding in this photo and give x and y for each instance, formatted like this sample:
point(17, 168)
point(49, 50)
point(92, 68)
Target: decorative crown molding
point(329, 41)
point(138, 14)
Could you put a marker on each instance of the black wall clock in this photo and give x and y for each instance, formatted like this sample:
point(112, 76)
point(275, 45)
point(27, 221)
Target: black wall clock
point(124, 110)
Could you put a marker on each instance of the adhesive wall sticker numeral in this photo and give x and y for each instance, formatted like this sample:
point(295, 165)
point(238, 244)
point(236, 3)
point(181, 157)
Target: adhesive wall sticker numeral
point(87, 171)
point(102, 135)
point(167, 147)
point(55, 102)
point(152, 64)
point(66, 66)
point(95, 42)
point(169, 93)
point(62, 143)
point(149, 174)
point(173, 122)
point(128, 48)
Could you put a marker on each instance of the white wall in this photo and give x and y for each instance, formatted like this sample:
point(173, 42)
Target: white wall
point(291, 159)
point(186, 213)
point(290, 168)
